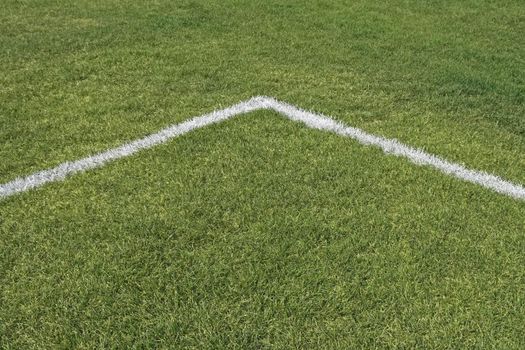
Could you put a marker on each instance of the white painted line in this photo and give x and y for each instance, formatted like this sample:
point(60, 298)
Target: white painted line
point(312, 120)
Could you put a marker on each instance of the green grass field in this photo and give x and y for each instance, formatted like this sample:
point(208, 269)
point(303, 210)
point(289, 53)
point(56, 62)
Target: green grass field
point(259, 233)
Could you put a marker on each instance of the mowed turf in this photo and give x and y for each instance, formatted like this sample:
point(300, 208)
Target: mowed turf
point(259, 232)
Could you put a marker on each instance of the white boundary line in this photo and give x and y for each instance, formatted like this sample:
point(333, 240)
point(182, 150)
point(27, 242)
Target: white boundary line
point(312, 120)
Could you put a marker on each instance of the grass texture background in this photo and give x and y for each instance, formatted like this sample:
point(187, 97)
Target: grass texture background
point(260, 233)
